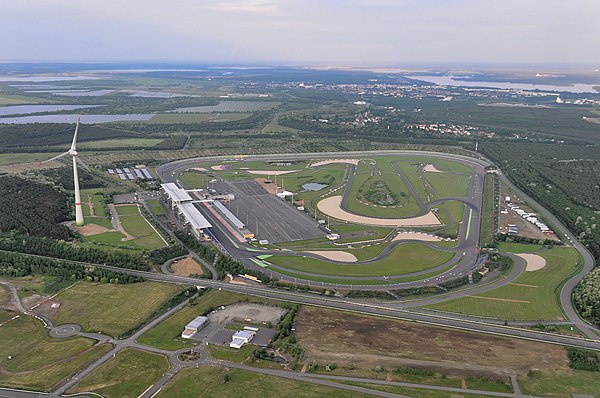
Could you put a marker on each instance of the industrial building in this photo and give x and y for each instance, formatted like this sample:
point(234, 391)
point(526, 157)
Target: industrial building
point(182, 203)
point(240, 338)
point(194, 326)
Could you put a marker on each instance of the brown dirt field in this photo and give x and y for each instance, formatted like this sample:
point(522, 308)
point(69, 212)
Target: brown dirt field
point(416, 236)
point(270, 187)
point(335, 336)
point(431, 169)
point(334, 161)
point(534, 261)
point(271, 172)
point(335, 255)
point(332, 206)
point(90, 229)
point(186, 267)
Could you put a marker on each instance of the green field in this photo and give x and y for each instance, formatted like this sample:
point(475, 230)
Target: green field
point(6, 99)
point(111, 309)
point(39, 361)
point(504, 247)
point(448, 185)
point(209, 380)
point(404, 259)
point(15, 158)
point(120, 143)
point(194, 180)
point(127, 375)
point(489, 211)
point(561, 383)
point(231, 354)
point(135, 224)
point(155, 207)
point(330, 175)
point(167, 334)
point(532, 296)
point(187, 118)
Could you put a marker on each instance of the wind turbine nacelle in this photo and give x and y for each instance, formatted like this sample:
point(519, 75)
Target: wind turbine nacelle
point(72, 152)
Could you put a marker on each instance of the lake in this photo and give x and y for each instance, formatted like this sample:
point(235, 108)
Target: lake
point(313, 186)
point(450, 81)
point(27, 109)
point(85, 119)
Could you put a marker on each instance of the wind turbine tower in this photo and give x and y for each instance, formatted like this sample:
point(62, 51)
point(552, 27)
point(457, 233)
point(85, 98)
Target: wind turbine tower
point(73, 153)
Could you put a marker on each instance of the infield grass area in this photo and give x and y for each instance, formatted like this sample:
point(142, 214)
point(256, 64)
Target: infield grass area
point(561, 383)
point(404, 259)
point(448, 185)
point(127, 375)
point(156, 207)
point(111, 309)
point(38, 361)
point(209, 380)
point(532, 296)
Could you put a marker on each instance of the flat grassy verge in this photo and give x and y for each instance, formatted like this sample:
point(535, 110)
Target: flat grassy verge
point(449, 185)
point(532, 296)
point(135, 224)
point(127, 375)
point(413, 392)
point(155, 207)
point(561, 383)
point(166, 334)
point(504, 247)
point(111, 309)
point(404, 259)
point(209, 380)
point(39, 361)
point(489, 211)
point(231, 354)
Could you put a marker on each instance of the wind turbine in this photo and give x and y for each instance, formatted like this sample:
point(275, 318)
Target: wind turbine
point(73, 153)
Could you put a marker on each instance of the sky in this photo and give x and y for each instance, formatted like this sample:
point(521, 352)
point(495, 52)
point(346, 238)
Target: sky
point(307, 32)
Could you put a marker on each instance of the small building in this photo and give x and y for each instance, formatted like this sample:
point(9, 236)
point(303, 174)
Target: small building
point(194, 326)
point(240, 338)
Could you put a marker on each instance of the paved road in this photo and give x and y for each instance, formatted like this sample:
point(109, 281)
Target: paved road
point(466, 251)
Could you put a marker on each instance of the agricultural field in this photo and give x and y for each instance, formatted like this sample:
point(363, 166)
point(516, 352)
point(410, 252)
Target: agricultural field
point(38, 361)
point(111, 309)
point(127, 375)
point(120, 143)
point(210, 380)
point(336, 337)
point(532, 296)
point(404, 259)
point(191, 118)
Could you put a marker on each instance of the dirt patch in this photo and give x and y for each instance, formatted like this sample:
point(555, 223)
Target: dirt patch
point(219, 167)
point(534, 261)
point(270, 187)
point(431, 169)
point(416, 236)
point(186, 267)
point(271, 172)
point(257, 313)
point(332, 207)
point(332, 336)
point(501, 299)
point(333, 161)
point(200, 169)
point(335, 255)
point(90, 229)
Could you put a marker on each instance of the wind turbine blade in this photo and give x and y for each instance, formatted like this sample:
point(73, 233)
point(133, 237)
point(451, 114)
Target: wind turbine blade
point(74, 143)
point(56, 157)
point(85, 166)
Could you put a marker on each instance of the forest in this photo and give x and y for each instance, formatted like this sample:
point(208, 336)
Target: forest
point(33, 207)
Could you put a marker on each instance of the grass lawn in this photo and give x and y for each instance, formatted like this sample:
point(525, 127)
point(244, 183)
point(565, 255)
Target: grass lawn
point(363, 183)
point(14, 158)
point(27, 341)
point(209, 380)
point(561, 383)
point(231, 354)
point(129, 374)
point(135, 224)
point(194, 180)
point(413, 392)
point(120, 143)
point(532, 296)
point(111, 309)
point(405, 258)
point(504, 247)
point(102, 221)
point(330, 175)
point(360, 232)
point(488, 213)
point(167, 334)
point(449, 185)
point(155, 206)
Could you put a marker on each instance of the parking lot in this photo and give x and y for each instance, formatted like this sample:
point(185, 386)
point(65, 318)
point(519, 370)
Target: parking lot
point(268, 216)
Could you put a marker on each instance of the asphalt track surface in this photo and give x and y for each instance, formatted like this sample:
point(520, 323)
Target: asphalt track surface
point(466, 252)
